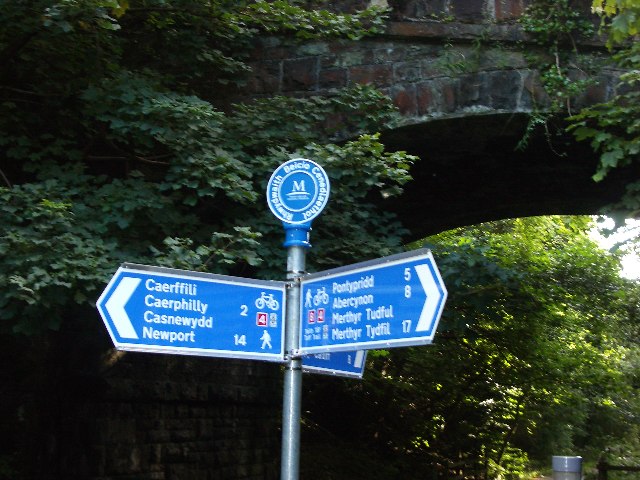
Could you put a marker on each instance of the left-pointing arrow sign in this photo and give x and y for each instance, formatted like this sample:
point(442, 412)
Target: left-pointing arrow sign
point(162, 310)
point(115, 306)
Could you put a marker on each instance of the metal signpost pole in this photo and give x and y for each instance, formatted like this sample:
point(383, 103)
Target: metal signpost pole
point(296, 243)
point(297, 192)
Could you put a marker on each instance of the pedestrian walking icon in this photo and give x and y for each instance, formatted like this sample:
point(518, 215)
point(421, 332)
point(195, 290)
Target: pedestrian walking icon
point(307, 301)
point(266, 340)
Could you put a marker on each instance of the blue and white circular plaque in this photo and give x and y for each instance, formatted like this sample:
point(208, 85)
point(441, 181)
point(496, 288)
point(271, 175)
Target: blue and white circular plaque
point(297, 191)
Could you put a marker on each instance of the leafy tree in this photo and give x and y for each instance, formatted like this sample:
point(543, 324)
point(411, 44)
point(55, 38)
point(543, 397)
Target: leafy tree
point(531, 358)
point(118, 143)
point(557, 26)
point(621, 16)
point(613, 127)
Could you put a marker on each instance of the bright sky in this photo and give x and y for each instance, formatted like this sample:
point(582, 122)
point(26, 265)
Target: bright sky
point(630, 261)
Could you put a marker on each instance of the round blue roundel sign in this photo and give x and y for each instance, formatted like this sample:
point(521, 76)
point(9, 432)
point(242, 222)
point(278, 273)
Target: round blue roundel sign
point(298, 190)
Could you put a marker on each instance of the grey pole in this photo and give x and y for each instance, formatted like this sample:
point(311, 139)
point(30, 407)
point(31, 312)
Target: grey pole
point(297, 192)
point(292, 398)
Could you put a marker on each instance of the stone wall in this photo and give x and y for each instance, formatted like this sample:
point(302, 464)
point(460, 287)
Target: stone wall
point(467, 11)
point(460, 10)
point(429, 69)
point(422, 78)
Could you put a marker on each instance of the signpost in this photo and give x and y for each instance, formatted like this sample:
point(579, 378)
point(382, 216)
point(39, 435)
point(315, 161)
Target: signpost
point(339, 364)
point(331, 318)
point(389, 302)
point(297, 192)
point(162, 310)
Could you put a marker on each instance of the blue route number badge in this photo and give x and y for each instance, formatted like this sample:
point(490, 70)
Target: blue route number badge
point(297, 191)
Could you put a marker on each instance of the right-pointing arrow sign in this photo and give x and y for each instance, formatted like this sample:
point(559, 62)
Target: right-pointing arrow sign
point(389, 302)
point(431, 283)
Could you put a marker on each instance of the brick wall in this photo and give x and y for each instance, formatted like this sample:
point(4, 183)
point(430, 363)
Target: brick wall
point(71, 414)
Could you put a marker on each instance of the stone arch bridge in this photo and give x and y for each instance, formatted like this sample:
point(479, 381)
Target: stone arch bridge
point(458, 72)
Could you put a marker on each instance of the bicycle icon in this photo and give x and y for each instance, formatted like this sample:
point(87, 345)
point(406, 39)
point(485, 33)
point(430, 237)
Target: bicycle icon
point(321, 296)
point(268, 301)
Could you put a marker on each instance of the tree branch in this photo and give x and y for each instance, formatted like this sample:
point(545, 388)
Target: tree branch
point(5, 179)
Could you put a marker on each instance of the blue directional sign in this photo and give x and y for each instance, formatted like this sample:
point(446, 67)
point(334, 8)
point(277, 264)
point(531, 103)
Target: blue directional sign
point(340, 364)
point(162, 310)
point(390, 302)
point(297, 191)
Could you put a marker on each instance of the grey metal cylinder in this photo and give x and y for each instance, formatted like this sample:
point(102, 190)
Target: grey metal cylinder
point(566, 468)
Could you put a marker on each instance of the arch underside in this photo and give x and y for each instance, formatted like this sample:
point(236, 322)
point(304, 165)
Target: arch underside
point(470, 171)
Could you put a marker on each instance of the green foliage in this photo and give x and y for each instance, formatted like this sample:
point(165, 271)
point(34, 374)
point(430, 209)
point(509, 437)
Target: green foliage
point(621, 19)
point(608, 128)
point(94, 14)
point(152, 125)
point(562, 348)
point(514, 464)
point(613, 127)
point(553, 22)
point(294, 122)
point(280, 15)
point(225, 248)
point(555, 25)
point(47, 258)
point(111, 148)
point(533, 357)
